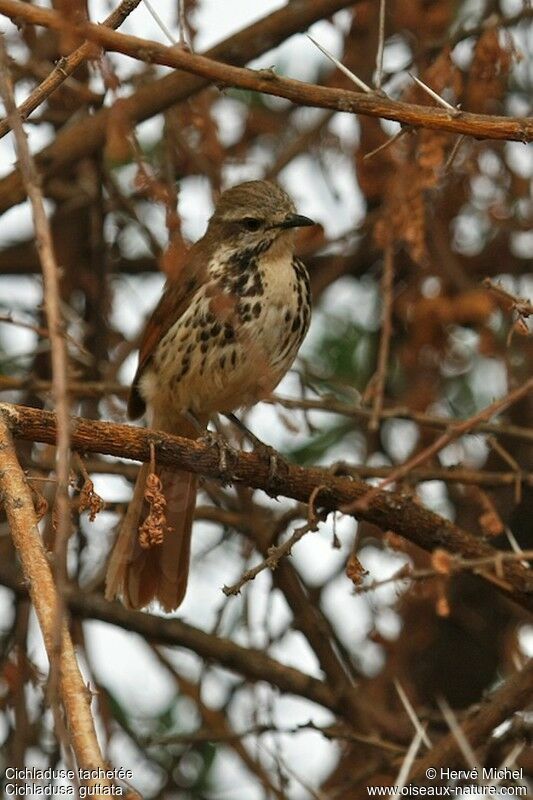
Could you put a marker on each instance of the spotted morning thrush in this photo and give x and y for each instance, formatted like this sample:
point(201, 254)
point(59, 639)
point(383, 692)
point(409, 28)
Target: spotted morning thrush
point(223, 335)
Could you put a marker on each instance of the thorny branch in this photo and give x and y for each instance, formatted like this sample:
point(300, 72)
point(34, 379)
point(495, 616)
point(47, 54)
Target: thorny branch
point(81, 139)
point(387, 284)
point(276, 553)
point(387, 510)
point(67, 66)
point(447, 566)
point(266, 81)
point(522, 306)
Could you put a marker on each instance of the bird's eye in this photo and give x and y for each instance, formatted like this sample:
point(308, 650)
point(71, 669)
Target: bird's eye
point(251, 223)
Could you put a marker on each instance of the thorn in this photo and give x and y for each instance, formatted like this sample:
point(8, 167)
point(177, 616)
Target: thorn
point(440, 100)
point(411, 713)
point(157, 19)
point(388, 143)
point(358, 82)
point(455, 149)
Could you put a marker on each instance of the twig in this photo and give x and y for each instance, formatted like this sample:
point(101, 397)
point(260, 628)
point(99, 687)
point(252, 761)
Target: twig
point(254, 664)
point(454, 432)
point(452, 474)
point(411, 713)
point(380, 377)
point(38, 329)
point(454, 565)
point(182, 25)
point(407, 763)
point(45, 247)
point(388, 143)
point(41, 331)
point(512, 696)
point(67, 65)
point(459, 735)
point(381, 45)
point(512, 462)
point(327, 404)
point(523, 307)
point(275, 554)
point(330, 732)
point(18, 504)
point(453, 153)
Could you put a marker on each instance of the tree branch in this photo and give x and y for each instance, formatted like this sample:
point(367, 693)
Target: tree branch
point(85, 137)
point(17, 501)
point(374, 104)
point(514, 695)
point(51, 297)
point(387, 510)
point(67, 65)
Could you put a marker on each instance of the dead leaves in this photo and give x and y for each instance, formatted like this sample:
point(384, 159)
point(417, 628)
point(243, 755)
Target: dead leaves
point(401, 177)
point(355, 570)
point(90, 501)
point(428, 318)
point(493, 57)
point(152, 530)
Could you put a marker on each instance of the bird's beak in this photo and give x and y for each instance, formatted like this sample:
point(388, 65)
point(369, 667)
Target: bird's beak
point(294, 221)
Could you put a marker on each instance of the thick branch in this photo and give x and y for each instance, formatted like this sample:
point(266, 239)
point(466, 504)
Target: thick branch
point(374, 104)
point(387, 510)
point(85, 137)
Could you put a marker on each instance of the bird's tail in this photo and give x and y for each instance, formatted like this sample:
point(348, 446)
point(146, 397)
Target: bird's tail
point(150, 558)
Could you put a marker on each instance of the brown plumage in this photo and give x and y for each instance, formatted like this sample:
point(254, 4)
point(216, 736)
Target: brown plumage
point(222, 336)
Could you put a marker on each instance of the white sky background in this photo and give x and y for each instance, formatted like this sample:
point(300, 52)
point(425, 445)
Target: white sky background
point(122, 661)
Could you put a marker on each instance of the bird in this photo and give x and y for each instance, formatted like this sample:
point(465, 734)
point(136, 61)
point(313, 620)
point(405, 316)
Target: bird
point(226, 330)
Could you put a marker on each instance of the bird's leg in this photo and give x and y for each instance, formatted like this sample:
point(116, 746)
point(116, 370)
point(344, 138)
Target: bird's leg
point(214, 439)
point(260, 447)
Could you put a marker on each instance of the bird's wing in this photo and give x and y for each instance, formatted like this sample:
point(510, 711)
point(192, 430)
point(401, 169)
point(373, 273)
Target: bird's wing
point(174, 301)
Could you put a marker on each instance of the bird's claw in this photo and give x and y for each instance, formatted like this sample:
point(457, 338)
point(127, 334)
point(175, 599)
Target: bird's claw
point(274, 462)
point(225, 451)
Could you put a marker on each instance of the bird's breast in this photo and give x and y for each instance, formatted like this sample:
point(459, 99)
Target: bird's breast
point(237, 339)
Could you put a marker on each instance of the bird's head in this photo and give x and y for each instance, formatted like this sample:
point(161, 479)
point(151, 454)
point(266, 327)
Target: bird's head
point(255, 214)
